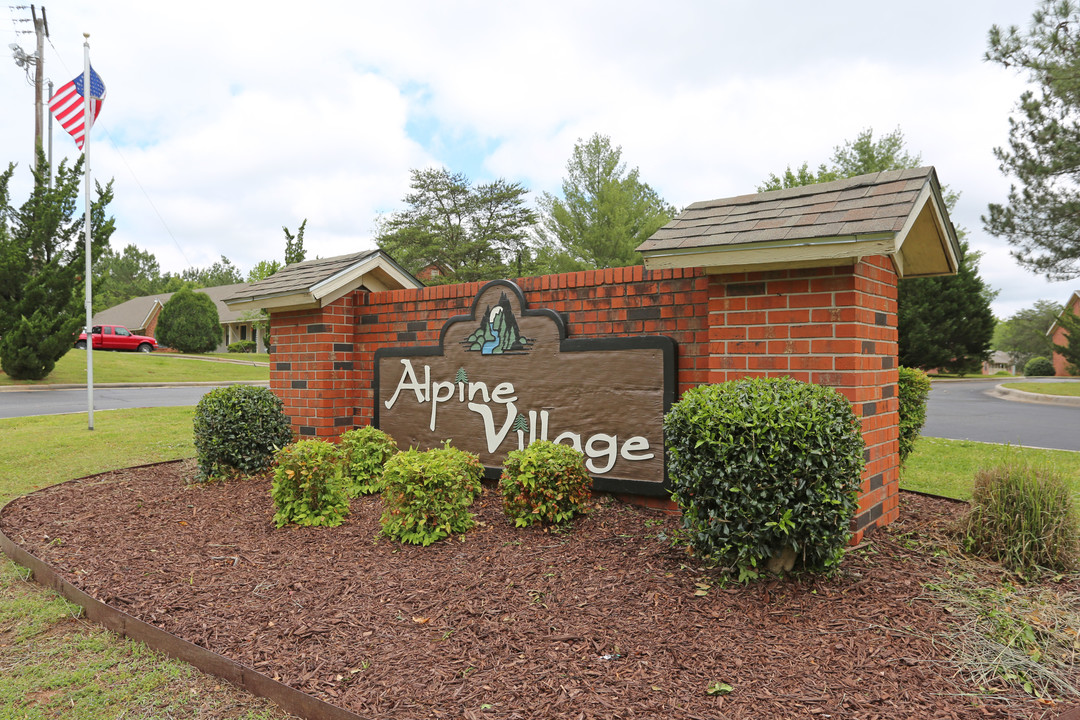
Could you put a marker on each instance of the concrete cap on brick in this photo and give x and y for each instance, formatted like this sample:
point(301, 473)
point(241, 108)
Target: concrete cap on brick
point(316, 283)
point(899, 213)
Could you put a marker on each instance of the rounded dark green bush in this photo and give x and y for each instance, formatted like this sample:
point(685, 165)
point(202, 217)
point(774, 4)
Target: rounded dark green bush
point(364, 451)
point(544, 483)
point(189, 322)
point(308, 487)
point(426, 495)
point(242, 346)
point(237, 430)
point(913, 387)
point(1038, 367)
point(765, 470)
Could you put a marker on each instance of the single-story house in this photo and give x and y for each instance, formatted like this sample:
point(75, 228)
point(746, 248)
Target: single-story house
point(998, 362)
point(140, 315)
point(1058, 334)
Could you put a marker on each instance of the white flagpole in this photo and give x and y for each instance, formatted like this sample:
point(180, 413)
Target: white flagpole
point(88, 117)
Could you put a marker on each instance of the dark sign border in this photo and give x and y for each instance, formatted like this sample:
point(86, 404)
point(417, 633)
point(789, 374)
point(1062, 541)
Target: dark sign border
point(569, 345)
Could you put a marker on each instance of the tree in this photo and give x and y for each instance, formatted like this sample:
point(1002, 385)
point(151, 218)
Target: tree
point(294, 244)
point(119, 277)
point(1023, 336)
point(606, 211)
point(223, 272)
point(263, 269)
point(42, 263)
point(1071, 349)
point(189, 322)
point(471, 233)
point(942, 321)
point(1041, 218)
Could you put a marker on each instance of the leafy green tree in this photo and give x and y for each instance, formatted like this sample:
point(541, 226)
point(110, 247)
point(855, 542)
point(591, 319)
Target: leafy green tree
point(606, 211)
point(1023, 336)
point(189, 322)
point(797, 178)
point(1041, 219)
point(470, 233)
point(119, 277)
point(42, 263)
point(263, 269)
point(294, 244)
point(1071, 349)
point(942, 321)
point(223, 272)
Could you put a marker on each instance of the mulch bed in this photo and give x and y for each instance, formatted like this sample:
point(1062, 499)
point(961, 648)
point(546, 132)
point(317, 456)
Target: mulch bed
point(606, 620)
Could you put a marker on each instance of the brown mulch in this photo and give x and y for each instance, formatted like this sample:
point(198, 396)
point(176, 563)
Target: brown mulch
point(606, 620)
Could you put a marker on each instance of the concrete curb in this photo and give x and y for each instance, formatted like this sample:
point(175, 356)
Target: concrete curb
point(1023, 396)
point(105, 386)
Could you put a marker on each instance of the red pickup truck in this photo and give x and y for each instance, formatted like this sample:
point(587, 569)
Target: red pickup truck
point(117, 337)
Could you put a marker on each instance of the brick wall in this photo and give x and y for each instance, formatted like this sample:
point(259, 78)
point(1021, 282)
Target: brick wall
point(831, 326)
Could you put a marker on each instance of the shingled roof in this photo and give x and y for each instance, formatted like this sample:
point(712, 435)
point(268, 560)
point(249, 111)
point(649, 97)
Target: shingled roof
point(315, 283)
point(900, 213)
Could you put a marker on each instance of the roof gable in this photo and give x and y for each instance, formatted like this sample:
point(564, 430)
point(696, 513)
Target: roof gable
point(900, 213)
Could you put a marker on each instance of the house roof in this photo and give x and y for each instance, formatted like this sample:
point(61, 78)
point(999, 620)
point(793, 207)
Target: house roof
point(900, 213)
point(315, 283)
point(136, 313)
point(1073, 303)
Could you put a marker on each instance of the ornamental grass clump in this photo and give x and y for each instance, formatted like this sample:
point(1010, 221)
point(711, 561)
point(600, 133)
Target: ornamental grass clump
point(426, 495)
point(544, 483)
point(1024, 517)
point(364, 451)
point(308, 488)
point(237, 430)
point(766, 472)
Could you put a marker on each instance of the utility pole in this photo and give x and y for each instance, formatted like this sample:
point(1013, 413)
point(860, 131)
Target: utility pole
point(41, 30)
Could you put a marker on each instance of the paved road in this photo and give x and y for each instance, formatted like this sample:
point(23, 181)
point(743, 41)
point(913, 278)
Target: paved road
point(964, 410)
point(22, 403)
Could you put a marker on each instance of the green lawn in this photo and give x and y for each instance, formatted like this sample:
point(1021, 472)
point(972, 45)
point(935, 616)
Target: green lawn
point(946, 467)
point(53, 664)
point(119, 367)
point(1055, 388)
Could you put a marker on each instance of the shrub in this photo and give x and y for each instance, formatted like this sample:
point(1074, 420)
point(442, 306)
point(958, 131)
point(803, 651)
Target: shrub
point(308, 487)
point(364, 451)
point(32, 345)
point(1038, 367)
point(765, 469)
point(189, 322)
point(546, 482)
point(426, 495)
point(242, 346)
point(1022, 516)
point(913, 387)
point(237, 430)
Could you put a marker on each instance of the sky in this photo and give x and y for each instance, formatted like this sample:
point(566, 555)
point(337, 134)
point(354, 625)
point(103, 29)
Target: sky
point(225, 121)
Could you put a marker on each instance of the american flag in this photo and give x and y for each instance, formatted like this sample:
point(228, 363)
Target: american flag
point(67, 105)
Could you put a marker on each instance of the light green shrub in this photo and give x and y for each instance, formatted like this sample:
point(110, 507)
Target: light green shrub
point(546, 482)
point(308, 488)
point(364, 451)
point(426, 495)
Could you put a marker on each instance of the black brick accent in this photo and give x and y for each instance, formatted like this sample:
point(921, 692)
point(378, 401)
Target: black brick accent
point(416, 326)
point(343, 347)
point(881, 319)
point(316, 328)
point(866, 455)
point(343, 365)
point(869, 409)
point(868, 347)
point(307, 430)
point(877, 481)
point(283, 366)
point(369, 319)
point(888, 362)
point(299, 384)
point(406, 337)
point(888, 391)
point(643, 313)
point(342, 421)
point(743, 289)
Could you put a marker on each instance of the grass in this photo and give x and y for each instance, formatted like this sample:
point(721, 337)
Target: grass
point(118, 367)
point(948, 467)
point(53, 664)
point(1071, 389)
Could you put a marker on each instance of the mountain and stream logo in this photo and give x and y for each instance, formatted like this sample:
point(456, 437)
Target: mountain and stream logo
point(498, 333)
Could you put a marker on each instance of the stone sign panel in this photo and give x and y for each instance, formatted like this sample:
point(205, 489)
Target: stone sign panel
point(505, 375)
